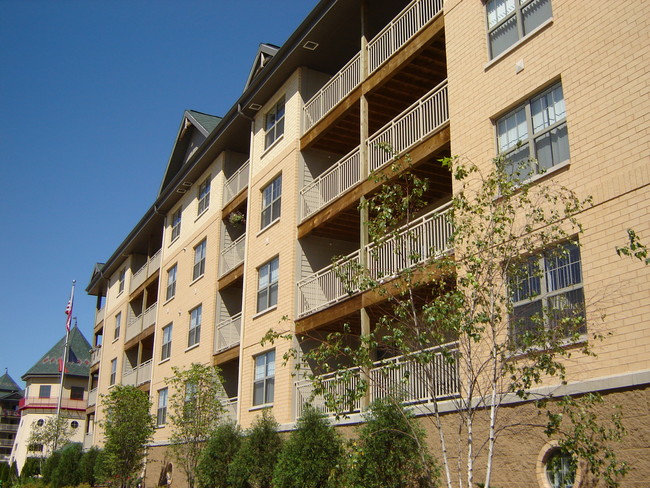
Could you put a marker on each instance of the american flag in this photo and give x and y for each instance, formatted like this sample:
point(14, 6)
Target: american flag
point(68, 310)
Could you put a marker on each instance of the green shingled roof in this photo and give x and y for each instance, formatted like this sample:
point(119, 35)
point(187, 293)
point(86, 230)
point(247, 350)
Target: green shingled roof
point(78, 358)
point(7, 384)
point(209, 122)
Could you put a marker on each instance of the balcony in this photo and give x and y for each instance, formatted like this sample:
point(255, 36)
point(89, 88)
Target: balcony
point(427, 237)
point(236, 183)
point(403, 376)
point(8, 427)
point(413, 125)
point(233, 255)
point(228, 333)
point(6, 442)
point(88, 440)
point(51, 403)
point(386, 43)
point(145, 271)
point(95, 355)
point(138, 323)
point(99, 315)
point(92, 397)
point(230, 405)
point(139, 375)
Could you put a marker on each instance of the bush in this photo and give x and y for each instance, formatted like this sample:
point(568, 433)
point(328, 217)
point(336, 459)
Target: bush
point(223, 445)
point(50, 466)
point(254, 463)
point(67, 471)
point(87, 466)
point(32, 467)
point(390, 451)
point(312, 456)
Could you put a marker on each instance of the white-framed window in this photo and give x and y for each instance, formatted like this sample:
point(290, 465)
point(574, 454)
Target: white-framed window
point(264, 384)
point(113, 377)
point(194, 335)
point(176, 223)
point(267, 284)
point(44, 391)
point(199, 259)
point(547, 292)
point(166, 349)
point(204, 196)
point(560, 469)
point(533, 137)
point(511, 20)
point(271, 202)
point(171, 282)
point(274, 123)
point(161, 413)
point(121, 280)
point(118, 326)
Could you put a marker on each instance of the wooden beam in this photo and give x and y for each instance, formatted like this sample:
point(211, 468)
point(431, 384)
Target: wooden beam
point(231, 276)
point(225, 356)
point(233, 204)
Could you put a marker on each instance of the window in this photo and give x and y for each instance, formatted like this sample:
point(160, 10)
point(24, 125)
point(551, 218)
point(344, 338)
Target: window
point(264, 384)
point(271, 199)
point(74, 424)
point(40, 422)
point(166, 342)
point(274, 123)
point(35, 447)
point(118, 325)
point(176, 223)
point(537, 129)
point(113, 371)
point(267, 285)
point(511, 20)
point(194, 335)
point(171, 282)
point(560, 469)
point(44, 391)
point(122, 279)
point(546, 292)
point(199, 260)
point(161, 415)
point(77, 393)
point(204, 196)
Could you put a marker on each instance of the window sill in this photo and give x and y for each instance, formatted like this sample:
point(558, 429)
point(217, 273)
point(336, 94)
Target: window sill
point(119, 294)
point(162, 361)
point(115, 340)
point(193, 346)
point(201, 214)
point(521, 41)
point(263, 406)
point(168, 300)
point(270, 148)
point(265, 311)
point(196, 279)
point(564, 344)
point(271, 224)
point(171, 243)
point(549, 172)
point(162, 426)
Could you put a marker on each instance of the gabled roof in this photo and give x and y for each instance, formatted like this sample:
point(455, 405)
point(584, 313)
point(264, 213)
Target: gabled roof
point(195, 126)
point(78, 358)
point(264, 53)
point(7, 384)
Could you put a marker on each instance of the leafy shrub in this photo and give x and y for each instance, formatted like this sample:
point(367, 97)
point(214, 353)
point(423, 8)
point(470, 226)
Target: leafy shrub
point(223, 445)
point(32, 467)
point(312, 455)
point(67, 471)
point(50, 466)
point(87, 466)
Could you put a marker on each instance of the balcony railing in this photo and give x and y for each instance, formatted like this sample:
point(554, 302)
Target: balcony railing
point(6, 443)
point(92, 397)
point(230, 405)
point(228, 333)
point(395, 35)
point(88, 440)
point(236, 183)
point(145, 271)
point(95, 355)
point(415, 378)
point(233, 255)
point(137, 376)
point(8, 427)
point(138, 323)
point(99, 315)
point(414, 124)
point(51, 403)
point(427, 237)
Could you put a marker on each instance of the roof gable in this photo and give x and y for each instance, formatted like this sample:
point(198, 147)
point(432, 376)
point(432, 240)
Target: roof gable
point(7, 384)
point(78, 358)
point(264, 53)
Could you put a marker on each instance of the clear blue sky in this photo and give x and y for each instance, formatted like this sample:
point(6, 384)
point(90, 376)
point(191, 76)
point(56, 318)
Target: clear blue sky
point(91, 97)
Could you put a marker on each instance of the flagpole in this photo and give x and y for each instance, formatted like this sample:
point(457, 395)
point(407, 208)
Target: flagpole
point(68, 312)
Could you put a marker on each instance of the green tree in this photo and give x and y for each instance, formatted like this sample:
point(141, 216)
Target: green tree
point(254, 463)
point(67, 473)
point(194, 410)
point(219, 452)
point(50, 466)
point(31, 468)
point(448, 313)
point(87, 465)
point(313, 455)
point(128, 427)
point(53, 434)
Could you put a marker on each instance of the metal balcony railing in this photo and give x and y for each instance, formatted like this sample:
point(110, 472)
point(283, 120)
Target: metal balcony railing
point(427, 237)
point(8, 427)
point(139, 375)
point(414, 124)
point(414, 378)
point(51, 403)
point(145, 271)
point(233, 255)
point(230, 405)
point(387, 42)
point(236, 183)
point(138, 323)
point(228, 333)
point(92, 397)
point(95, 355)
point(99, 315)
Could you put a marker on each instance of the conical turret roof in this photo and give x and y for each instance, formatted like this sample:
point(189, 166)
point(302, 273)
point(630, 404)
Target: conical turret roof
point(78, 363)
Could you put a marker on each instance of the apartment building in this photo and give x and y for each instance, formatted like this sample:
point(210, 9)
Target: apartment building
point(45, 395)
point(10, 395)
point(254, 206)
